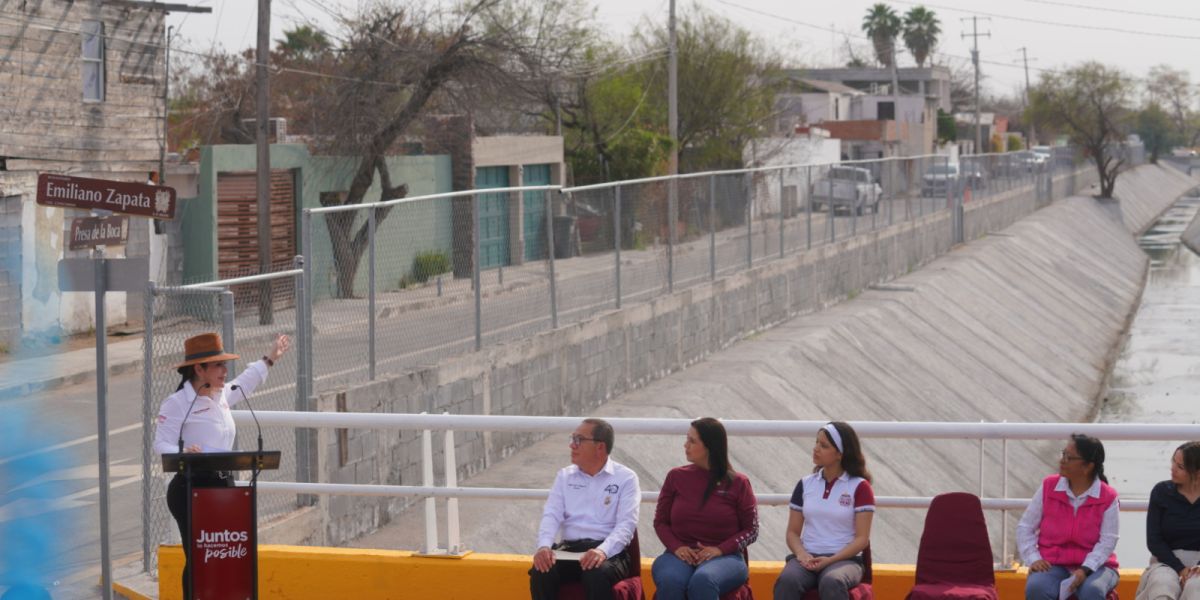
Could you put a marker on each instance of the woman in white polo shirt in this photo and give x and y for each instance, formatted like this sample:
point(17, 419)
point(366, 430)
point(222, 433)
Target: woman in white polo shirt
point(196, 418)
point(830, 521)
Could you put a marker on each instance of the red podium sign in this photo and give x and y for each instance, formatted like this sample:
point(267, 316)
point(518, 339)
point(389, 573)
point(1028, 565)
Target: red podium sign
point(223, 536)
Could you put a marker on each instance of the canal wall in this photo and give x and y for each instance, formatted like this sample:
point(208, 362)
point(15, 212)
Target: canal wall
point(1015, 326)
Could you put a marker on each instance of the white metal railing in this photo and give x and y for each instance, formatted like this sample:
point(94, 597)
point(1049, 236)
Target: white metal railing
point(427, 423)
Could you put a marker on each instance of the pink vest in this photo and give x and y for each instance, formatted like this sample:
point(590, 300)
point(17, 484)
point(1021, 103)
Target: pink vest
point(1066, 536)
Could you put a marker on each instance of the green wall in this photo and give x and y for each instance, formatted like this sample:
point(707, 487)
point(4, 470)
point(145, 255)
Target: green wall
point(407, 230)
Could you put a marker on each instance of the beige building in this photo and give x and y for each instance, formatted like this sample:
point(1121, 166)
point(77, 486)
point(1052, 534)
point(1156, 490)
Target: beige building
point(81, 93)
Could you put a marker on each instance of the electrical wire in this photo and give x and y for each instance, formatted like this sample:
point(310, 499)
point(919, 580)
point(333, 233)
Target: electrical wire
point(1154, 34)
point(1116, 10)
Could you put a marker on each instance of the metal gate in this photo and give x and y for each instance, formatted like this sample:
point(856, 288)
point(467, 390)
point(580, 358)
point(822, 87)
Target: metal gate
point(535, 212)
point(493, 217)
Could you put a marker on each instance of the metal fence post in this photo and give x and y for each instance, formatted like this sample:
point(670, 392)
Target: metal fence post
point(304, 316)
point(553, 279)
point(855, 209)
point(617, 240)
point(831, 212)
point(747, 185)
point(475, 272)
point(781, 211)
point(712, 227)
point(431, 543)
point(808, 206)
point(147, 416)
point(371, 223)
point(672, 221)
point(453, 546)
point(228, 330)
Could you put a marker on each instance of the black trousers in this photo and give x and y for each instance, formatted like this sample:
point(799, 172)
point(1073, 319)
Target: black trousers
point(597, 583)
point(177, 504)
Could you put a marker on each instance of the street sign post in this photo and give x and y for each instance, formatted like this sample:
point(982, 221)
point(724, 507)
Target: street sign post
point(138, 199)
point(99, 275)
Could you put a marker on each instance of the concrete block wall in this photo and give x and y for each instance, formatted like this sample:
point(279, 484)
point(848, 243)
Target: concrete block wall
point(576, 368)
point(10, 272)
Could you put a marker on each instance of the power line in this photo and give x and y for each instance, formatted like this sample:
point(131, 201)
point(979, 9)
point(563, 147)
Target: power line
point(1154, 34)
point(1117, 10)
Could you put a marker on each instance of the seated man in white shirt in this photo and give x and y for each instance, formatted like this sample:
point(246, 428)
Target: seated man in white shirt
point(594, 504)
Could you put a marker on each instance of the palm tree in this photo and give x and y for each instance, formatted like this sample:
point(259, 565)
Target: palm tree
point(921, 30)
point(882, 25)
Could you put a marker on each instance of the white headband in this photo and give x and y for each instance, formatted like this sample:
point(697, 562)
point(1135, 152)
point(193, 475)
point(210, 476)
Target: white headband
point(834, 435)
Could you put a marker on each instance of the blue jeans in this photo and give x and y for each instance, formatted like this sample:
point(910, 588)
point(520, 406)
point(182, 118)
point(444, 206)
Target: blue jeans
point(1044, 585)
point(676, 580)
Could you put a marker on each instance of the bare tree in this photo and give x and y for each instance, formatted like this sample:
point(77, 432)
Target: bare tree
point(1172, 90)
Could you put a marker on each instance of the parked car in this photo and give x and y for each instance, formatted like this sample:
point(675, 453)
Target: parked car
point(852, 188)
point(937, 178)
point(972, 173)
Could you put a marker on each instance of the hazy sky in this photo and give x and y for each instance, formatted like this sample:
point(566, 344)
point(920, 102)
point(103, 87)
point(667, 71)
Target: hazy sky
point(1055, 32)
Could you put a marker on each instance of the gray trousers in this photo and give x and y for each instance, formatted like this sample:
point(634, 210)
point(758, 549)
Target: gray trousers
point(1160, 582)
point(832, 583)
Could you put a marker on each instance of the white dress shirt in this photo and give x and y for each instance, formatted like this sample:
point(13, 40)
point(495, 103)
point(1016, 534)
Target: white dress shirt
point(1031, 521)
point(600, 507)
point(210, 424)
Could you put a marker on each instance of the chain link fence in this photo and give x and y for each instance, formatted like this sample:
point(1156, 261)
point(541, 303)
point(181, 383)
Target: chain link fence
point(248, 317)
point(400, 284)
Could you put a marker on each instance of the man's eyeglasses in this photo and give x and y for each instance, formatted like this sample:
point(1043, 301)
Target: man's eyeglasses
point(1068, 458)
point(577, 439)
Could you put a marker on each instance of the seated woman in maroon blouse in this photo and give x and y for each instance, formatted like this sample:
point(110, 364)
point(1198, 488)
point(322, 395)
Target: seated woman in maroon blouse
point(706, 516)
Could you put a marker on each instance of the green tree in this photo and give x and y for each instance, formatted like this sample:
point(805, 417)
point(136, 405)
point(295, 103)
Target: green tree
point(1015, 143)
point(882, 25)
point(727, 92)
point(921, 31)
point(1090, 103)
point(1171, 89)
point(1157, 131)
point(947, 127)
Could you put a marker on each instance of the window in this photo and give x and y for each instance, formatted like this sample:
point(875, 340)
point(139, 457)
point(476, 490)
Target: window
point(886, 111)
point(92, 53)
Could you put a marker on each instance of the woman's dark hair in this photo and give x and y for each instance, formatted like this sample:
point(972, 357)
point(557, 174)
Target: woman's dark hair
point(186, 374)
point(1191, 457)
point(712, 435)
point(853, 461)
point(1091, 450)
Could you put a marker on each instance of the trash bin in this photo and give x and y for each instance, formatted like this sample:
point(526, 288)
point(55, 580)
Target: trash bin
point(566, 238)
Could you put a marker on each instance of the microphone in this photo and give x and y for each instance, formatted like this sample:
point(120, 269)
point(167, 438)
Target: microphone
point(247, 401)
point(195, 396)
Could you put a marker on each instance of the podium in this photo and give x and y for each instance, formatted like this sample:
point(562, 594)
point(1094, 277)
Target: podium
point(222, 548)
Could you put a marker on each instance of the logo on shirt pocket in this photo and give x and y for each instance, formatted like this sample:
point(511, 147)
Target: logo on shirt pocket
point(845, 500)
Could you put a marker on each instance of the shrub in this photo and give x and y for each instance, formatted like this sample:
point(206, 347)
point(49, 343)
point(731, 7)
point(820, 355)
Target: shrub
point(429, 263)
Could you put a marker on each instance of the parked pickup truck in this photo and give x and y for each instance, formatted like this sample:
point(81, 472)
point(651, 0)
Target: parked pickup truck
point(849, 188)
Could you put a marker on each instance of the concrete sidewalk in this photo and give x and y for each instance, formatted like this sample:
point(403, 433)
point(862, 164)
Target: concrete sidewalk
point(23, 377)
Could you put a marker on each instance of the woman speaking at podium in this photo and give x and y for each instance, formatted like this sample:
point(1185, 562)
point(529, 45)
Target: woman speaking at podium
point(196, 418)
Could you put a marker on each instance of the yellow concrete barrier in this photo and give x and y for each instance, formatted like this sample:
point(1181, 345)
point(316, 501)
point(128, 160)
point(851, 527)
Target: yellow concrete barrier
point(303, 572)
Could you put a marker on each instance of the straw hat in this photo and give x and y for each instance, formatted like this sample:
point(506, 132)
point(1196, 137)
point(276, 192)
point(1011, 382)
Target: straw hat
point(204, 348)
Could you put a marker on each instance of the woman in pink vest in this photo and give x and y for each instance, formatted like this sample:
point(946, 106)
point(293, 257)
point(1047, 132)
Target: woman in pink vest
point(1068, 533)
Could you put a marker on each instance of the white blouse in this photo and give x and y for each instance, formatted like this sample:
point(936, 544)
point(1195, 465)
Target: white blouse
point(210, 424)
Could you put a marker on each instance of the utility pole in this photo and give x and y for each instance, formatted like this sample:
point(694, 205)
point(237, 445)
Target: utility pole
point(975, 60)
point(673, 92)
point(263, 160)
point(1032, 131)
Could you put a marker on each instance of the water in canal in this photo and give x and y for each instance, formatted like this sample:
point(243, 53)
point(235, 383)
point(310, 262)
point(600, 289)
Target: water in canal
point(1157, 377)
